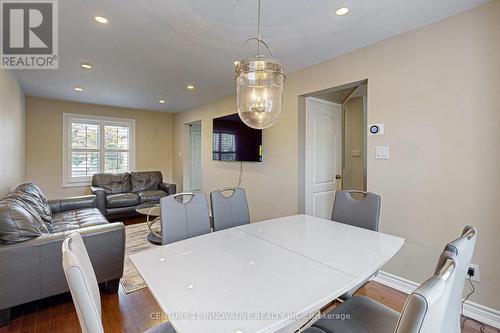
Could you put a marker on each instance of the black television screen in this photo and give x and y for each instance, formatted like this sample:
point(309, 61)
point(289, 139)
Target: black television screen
point(234, 141)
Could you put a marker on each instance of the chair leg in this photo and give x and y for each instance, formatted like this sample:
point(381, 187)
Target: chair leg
point(4, 317)
point(112, 286)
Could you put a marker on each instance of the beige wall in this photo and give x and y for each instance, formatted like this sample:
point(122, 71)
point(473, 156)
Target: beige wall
point(353, 173)
point(437, 89)
point(12, 124)
point(256, 176)
point(44, 123)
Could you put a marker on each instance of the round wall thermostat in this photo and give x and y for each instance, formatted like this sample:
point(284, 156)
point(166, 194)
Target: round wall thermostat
point(376, 129)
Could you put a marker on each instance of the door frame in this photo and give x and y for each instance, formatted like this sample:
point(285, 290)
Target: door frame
point(364, 127)
point(193, 152)
point(307, 165)
point(187, 155)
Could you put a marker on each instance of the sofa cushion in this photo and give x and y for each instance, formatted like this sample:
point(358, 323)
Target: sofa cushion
point(145, 180)
point(33, 196)
point(77, 219)
point(121, 200)
point(19, 221)
point(112, 182)
point(151, 196)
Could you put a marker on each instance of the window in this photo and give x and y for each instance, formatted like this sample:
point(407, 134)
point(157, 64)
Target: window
point(224, 146)
point(96, 144)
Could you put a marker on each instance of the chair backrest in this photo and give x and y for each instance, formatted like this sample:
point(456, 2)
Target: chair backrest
point(463, 247)
point(435, 305)
point(229, 211)
point(363, 213)
point(82, 283)
point(183, 215)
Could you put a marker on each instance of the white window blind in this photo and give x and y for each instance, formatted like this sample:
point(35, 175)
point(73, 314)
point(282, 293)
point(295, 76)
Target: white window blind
point(224, 146)
point(96, 144)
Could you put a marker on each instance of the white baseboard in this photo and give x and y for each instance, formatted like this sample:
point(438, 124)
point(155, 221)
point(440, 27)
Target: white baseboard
point(396, 282)
point(472, 310)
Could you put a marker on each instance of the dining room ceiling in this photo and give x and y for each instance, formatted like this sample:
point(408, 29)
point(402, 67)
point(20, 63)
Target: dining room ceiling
point(152, 50)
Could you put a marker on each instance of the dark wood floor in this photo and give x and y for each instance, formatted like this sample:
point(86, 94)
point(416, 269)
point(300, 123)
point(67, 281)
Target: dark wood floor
point(138, 311)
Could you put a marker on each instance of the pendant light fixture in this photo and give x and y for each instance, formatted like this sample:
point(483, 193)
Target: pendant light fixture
point(259, 85)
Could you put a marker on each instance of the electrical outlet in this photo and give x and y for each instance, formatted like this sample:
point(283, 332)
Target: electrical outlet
point(474, 269)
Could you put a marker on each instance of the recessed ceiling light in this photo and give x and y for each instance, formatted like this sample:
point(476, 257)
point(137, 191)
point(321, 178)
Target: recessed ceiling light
point(161, 101)
point(86, 66)
point(101, 19)
point(78, 89)
point(342, 11)
point(190, 87)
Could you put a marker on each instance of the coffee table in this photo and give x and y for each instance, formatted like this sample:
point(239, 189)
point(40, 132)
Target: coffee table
point(152, 212)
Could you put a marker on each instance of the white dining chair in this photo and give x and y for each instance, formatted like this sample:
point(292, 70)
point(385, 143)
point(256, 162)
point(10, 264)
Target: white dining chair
point(433, 307)
point(183, 215)
point(229, 208)
point(84, 288)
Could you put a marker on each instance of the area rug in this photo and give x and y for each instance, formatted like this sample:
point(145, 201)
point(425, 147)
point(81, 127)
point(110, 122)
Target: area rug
point(136, 241)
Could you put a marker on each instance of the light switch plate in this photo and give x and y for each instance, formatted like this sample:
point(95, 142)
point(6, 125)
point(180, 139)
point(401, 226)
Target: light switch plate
point(355, 153)
point(382, 152)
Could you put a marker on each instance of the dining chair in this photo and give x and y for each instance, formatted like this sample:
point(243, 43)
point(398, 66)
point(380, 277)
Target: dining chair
point(433, 307)
point(84, 289)
point(361, 211)
point(183, 215)
point(231, 210)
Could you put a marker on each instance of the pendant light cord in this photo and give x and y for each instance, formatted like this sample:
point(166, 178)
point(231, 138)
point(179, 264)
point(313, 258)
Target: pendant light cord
point(258, 27)
point(241, 174)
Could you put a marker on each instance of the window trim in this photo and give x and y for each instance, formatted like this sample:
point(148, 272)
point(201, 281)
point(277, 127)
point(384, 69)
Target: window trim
point(68, 118)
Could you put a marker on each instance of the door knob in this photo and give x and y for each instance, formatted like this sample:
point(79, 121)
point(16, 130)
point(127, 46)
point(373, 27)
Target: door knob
point(338, 177)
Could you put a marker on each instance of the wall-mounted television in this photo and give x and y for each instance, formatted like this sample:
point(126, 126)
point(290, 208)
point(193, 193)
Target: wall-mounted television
point(232, 140)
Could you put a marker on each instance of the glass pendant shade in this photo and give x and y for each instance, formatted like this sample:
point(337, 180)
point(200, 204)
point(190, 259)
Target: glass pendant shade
point(259, 90)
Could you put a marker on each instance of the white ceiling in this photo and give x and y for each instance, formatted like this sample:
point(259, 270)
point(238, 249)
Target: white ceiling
point(152, 49)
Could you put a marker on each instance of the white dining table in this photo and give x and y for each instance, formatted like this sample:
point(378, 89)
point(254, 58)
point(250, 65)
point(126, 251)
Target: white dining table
point(269, 276)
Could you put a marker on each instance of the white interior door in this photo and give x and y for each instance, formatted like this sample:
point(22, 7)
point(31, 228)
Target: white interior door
point(323, 155)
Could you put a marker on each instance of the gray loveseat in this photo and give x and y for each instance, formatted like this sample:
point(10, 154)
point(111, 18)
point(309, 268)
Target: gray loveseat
point(119, 194)
point(32, 230)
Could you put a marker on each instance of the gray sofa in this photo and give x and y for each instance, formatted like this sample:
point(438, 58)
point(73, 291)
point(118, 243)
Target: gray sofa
point(119, 194)
point(32, 230)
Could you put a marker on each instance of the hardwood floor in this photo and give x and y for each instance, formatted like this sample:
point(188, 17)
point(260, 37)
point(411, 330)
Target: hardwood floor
point(121, 313)
point(138, 311)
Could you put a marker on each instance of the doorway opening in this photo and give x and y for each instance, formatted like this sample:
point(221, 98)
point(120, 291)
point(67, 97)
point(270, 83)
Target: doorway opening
point(192, 157)
point(332, 145)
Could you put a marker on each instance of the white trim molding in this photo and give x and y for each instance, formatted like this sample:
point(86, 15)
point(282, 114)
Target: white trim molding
point(68, 118)
point(472, 310)
point(396, 282)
